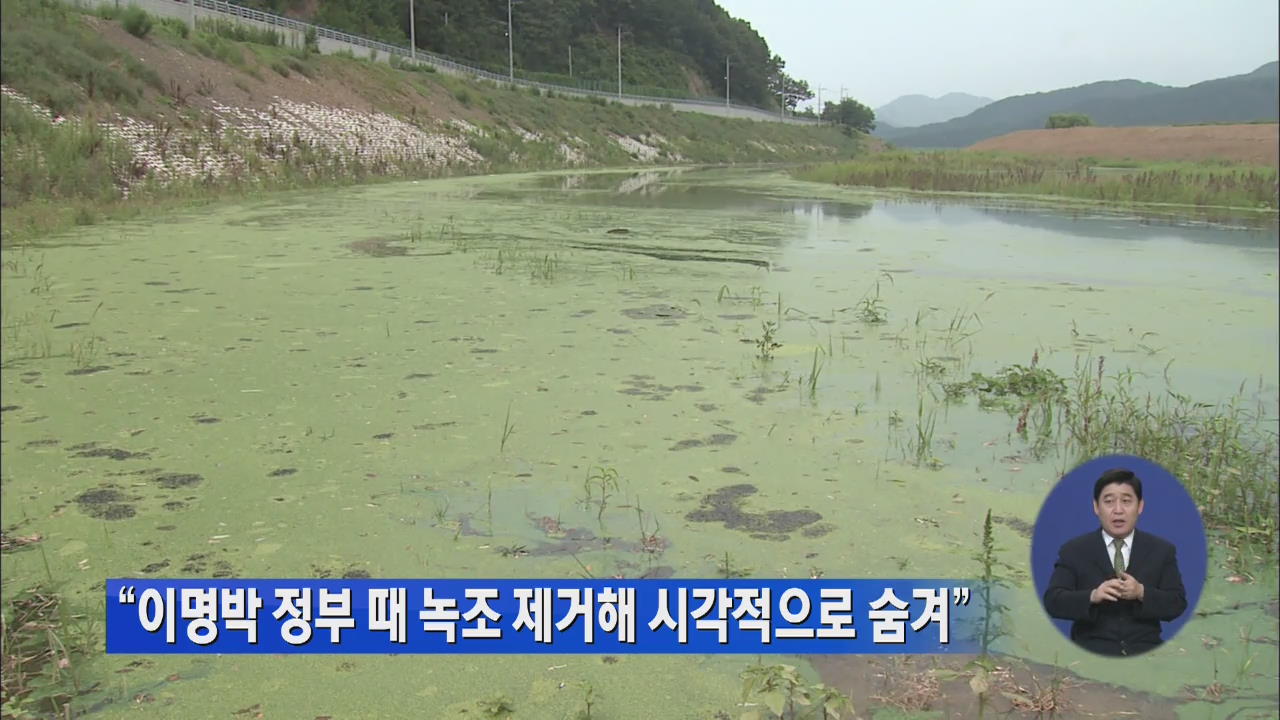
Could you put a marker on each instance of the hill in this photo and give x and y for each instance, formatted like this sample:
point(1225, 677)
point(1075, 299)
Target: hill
point(99, 121)
point(1122, 103)
point(916, 110)
point(669, 47)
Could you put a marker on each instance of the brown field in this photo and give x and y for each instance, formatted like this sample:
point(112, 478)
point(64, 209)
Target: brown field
point(1252, 144)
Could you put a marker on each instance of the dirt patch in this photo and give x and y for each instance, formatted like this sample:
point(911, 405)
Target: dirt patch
point(92, 450)
point(1253, 144)
point(717, 439)
point(725, 506)
point(940, 687)
point(566, 540)
point(173, 481)
point(106, 503)
point(183, 73)
point(383, 247)
point(656, 312)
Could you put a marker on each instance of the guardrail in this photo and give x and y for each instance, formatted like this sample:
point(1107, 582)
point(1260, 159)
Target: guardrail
point(693, 104)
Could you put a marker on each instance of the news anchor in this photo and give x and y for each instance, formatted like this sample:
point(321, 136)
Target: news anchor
point(1116, 583)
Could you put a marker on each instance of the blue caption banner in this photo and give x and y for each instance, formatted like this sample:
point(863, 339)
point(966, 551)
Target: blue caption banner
point(823, 616)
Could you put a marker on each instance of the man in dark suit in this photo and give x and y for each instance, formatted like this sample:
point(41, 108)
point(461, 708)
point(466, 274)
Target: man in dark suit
point(1116, 583)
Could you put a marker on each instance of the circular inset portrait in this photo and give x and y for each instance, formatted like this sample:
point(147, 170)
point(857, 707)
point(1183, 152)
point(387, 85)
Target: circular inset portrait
point(1119, 555)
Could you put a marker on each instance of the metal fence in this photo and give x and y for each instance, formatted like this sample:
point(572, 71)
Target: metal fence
point(715, 107)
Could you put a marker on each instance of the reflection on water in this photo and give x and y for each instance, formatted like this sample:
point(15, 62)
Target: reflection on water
point(680, 190)
point(683, 189)
point(1254, 231)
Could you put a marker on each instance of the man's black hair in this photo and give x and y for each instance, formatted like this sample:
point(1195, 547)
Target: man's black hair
point(1124, 477)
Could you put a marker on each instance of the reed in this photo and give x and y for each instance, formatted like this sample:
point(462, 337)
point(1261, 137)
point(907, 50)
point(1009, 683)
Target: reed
point(1180, 183)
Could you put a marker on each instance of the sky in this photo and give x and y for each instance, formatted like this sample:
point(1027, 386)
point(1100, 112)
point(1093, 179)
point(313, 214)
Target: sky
point(880, 49)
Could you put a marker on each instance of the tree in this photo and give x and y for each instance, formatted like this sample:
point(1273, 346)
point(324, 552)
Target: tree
point(851, 114)
point(1066, 120)
point(788, 89)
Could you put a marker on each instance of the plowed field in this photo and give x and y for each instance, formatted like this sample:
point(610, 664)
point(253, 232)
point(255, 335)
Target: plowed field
point(1253, 144)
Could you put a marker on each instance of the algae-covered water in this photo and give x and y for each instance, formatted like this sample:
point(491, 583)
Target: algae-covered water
point(416, 380)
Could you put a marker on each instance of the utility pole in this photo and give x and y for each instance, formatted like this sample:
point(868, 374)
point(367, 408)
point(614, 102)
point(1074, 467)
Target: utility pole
point(413, 34)
point(820, 89)
point(570, 61)
point(726, 81)
point(511, 58)
point(841, 93)
point(619, 61)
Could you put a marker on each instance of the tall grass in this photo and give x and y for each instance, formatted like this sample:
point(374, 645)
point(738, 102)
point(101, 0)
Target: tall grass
point(53, 57)
point(72, 162)
point(1197, 184)
point(1226, 454)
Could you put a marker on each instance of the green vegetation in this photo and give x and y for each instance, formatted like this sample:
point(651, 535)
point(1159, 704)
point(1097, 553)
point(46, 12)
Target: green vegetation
point(50, 55)
point(850, 114)
point(1194, 184)
point(46, 647)
point(784, 695)
point(1223, 453)
point(136, 21)
point(670, 48)
point(75, 172)
point(1067, 120)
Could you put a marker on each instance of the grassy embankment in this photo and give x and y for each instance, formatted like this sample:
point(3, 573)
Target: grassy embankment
point(84, 67)
point(1202, 185)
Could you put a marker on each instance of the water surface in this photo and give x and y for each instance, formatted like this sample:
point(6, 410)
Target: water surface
point(318, 384)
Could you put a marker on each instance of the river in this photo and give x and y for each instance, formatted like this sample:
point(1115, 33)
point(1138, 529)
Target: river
point(421, 379)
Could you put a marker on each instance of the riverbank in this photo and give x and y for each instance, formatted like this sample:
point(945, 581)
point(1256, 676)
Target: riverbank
point(101, 122)
point(1184, 185)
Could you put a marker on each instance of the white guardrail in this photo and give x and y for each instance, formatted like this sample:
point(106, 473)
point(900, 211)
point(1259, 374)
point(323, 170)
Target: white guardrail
point(331, 41)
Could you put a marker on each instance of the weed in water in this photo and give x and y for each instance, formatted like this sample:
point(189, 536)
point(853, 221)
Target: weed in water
point(496, 707)
point(814, 372)
point(993, 620)
point(871, 309)
point(782, 692)
point(729, 571)
point(508, 428)
point(921, 444)
point(588, 701)
point(766, 344)
point(441, 511)
point(602, 481)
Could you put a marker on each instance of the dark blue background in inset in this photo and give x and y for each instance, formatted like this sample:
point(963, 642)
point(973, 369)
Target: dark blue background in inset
point(1168, 512)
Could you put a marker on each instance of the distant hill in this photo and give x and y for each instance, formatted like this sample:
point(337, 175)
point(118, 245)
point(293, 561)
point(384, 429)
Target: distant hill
point(1121, 103)
point(915, 110)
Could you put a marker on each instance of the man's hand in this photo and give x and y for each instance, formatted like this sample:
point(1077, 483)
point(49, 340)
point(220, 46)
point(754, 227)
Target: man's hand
point(1130, 588)
point(1109, 591)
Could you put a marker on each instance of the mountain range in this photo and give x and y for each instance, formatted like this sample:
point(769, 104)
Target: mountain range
point(915, 110)
point(1240, 98)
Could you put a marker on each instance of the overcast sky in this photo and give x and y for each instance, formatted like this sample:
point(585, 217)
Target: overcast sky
point(881, 49)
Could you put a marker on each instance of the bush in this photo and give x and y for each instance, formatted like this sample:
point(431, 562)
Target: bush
point(136, 21)
point(1066, 120)
point(300, 67)
point(177, 26)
